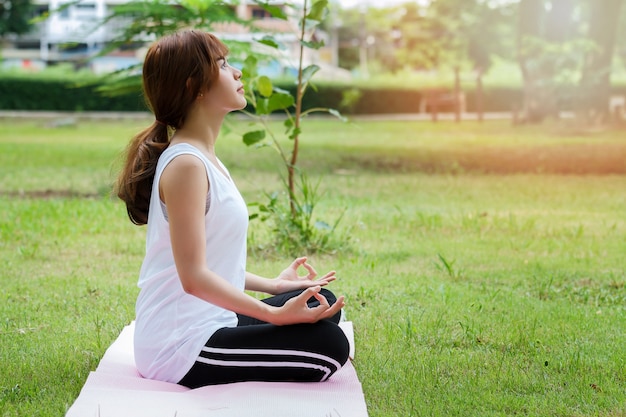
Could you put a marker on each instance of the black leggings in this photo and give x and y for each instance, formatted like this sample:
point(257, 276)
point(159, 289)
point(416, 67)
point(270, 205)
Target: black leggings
point(259, 351)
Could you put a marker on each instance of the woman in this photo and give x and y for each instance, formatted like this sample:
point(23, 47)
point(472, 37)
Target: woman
point(194, 324)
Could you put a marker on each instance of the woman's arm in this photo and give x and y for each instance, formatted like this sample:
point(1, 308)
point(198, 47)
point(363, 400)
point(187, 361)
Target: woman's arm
point(288, 279)
point(183, 188)
point(260, 284)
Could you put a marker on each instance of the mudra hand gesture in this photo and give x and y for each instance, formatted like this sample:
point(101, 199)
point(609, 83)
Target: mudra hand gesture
point(289, 280)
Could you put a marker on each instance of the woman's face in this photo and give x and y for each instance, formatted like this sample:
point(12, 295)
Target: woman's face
point(226, 93)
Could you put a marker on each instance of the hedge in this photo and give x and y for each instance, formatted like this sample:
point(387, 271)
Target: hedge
point(73, 93)
point(61, 94)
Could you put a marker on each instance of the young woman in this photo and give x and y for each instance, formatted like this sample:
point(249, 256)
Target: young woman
point(195, 325)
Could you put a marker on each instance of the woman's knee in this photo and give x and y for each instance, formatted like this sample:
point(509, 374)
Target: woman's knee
point(337, 344)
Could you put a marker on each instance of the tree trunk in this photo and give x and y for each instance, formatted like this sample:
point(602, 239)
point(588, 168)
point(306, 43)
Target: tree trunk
point(596, 80)
point(457, 94)
point(479, 95)
point(531, 14)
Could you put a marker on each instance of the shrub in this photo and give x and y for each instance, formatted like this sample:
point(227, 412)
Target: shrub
point(72, 92)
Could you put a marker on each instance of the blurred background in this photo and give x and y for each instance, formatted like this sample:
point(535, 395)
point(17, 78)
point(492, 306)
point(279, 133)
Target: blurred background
point(532, 58)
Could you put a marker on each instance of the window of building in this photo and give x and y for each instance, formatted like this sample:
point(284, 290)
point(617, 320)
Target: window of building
point(85, 10)
point(85, 6)
point(260, 14)
point(64, 12)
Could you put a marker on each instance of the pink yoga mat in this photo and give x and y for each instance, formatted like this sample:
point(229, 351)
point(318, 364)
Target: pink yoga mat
point(116, 389)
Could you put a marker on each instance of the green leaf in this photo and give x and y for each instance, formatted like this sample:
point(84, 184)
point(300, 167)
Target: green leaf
point(295, 133)
point(337, 115)
point(249, 69)
point(281, 90)
point(264, 85)
point(255, 136)
point(199, 5)
point(280, 101)
point(275, 11)
point(288, 125)
point(318, 10)
point(322, 225)
point(313, 44)
point(308, 72)
point(262, 106)
point(269, 41)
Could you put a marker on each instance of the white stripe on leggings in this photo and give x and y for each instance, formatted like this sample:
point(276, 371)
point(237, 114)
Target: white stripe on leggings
point(272, 352)
point(251, 364)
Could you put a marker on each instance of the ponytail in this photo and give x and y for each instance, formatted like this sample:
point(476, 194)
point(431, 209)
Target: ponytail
point(169, 90)
point(134, 184)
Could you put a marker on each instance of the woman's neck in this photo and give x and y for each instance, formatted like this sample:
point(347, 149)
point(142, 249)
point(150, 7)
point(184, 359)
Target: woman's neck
point(201, 135)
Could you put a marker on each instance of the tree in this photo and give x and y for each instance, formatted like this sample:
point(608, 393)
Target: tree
point(145, 20)
point(417, 46)
point(530, 16)
point(596, 78)
point(461, 33)
point(620, 41)
point(368, 31)
point(488, 36)
point(562, 62)
point(15, 16)
point(295, 227)
point(450, 22)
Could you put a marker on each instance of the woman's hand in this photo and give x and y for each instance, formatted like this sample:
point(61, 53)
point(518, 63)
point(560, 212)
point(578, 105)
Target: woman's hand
point(296, 310)
point(289, 280)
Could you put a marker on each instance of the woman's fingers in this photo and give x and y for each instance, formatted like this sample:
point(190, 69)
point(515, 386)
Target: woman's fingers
point(322, 300)
point(329, 277)
point(312, 272)
point(302, 299)
point(335, 308)
point(298, 261)
point(299, 311)
point(325, 310)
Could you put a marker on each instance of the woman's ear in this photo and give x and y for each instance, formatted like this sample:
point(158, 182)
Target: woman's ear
point(190, 88)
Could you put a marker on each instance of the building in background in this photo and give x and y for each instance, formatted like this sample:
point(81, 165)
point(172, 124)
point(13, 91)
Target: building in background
point(73, 33)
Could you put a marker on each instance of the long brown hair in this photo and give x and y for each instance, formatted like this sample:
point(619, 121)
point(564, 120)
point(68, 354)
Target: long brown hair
point(176, 69)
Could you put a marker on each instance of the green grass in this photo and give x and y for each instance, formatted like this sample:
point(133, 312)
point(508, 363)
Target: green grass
point(485, 271)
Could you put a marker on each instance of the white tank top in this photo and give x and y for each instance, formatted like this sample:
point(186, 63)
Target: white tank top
point(171, 326)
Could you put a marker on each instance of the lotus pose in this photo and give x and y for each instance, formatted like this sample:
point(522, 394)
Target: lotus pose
point(195, 325)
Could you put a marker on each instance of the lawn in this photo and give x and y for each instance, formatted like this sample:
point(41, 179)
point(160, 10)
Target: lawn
point(483, 267)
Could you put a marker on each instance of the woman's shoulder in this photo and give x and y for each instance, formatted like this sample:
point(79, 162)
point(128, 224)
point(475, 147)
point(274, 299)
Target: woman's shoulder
point(181, 148)
point(182, 171)
point(182, 151)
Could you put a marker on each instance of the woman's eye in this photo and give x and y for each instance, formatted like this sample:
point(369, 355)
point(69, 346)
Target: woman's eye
point(224, 64)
